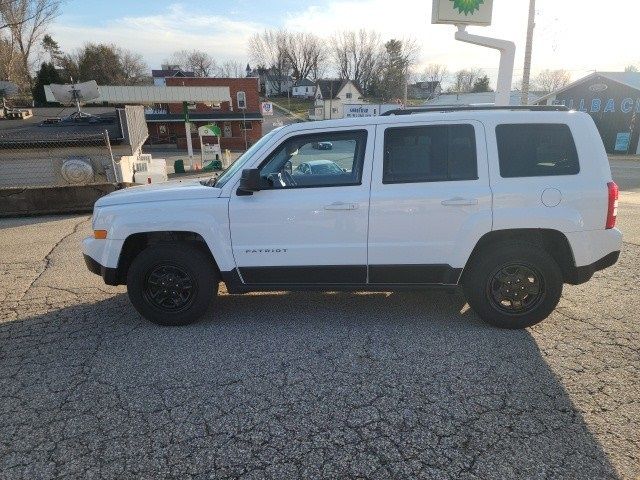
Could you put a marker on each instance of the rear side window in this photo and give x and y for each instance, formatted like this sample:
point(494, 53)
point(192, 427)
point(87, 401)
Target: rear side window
point(536, 150)
point(437, 153)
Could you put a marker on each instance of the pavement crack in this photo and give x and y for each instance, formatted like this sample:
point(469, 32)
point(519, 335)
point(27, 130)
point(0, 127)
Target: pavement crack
point(48, 256)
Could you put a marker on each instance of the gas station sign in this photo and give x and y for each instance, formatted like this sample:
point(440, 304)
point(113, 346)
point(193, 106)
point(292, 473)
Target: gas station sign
point(462, 12)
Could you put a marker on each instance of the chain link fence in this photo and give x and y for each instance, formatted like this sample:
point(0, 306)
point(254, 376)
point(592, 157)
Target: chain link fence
point(81, 160)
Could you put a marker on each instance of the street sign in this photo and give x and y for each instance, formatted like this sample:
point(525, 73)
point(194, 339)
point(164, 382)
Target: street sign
point(462, 12)
point(266, 108)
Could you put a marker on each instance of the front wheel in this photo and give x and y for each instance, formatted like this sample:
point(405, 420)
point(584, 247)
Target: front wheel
point(172, 284)
point(514, 285)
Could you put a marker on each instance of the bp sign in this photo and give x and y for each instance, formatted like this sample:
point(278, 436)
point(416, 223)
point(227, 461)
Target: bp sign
point(210, 130)
point(462, 12)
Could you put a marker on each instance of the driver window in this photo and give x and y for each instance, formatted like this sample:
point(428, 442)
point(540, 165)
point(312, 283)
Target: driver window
point(319, 160)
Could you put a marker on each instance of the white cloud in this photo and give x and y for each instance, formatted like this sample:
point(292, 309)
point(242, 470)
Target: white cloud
point(575, 35)
point(157, 36)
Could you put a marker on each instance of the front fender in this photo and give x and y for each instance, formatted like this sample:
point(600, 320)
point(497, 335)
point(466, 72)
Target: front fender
point(209, 218)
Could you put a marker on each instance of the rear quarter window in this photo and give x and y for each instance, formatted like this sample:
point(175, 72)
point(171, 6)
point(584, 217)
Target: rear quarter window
point(536, 150)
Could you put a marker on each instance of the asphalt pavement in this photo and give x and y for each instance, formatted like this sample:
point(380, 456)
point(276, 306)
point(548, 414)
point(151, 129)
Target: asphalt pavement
point(310, 385)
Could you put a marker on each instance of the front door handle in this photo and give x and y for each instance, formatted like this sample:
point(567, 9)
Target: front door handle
point(341, 206)
point(457, 202)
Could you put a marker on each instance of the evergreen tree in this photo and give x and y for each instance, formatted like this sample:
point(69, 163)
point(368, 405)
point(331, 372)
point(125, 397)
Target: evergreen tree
point(481, 84)
point(46, 76)
point(394, 68)
point(52, 48)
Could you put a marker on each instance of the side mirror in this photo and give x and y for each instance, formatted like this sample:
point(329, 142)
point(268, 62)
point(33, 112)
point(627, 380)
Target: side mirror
point(249, 181)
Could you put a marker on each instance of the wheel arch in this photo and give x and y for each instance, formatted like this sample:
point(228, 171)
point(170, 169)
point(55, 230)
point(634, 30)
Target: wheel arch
point(552, 241)
point(137, 242)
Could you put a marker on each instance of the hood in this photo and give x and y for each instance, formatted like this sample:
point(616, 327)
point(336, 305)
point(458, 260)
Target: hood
point(160, 192)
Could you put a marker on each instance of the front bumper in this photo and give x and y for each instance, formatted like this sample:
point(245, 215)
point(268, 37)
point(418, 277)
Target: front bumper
point(109, 275)
point(101, 257)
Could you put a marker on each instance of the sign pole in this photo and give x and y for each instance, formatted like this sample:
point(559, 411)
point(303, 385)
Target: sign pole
point(463, 13)
point(187, 129)
point(507, 51)
point(526, 74)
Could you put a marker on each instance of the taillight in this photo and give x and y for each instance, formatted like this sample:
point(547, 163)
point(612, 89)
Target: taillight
point(612, 211)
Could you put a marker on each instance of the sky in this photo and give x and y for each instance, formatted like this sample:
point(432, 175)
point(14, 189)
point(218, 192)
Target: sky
point(577, 35)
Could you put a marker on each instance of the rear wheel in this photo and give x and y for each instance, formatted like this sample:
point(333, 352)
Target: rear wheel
point(514, 285)
point(172, 284)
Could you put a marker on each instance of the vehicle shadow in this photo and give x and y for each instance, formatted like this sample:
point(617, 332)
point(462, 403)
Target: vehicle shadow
point(306, 385)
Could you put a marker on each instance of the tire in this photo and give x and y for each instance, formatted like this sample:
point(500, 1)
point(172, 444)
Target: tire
point(513, 272)
point(183, 302)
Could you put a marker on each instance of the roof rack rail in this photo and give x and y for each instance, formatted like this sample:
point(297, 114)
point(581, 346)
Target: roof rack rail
point(458, 108)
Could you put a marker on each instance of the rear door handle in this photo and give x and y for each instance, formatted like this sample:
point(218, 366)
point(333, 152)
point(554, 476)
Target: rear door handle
point(341, 206)
point(458, 202)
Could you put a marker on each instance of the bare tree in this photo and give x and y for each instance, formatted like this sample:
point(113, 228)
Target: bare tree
point(549, 81)
point(134, 68)
point(231, 69)
point(269, 49)
point(12, 22)
point(306, 53)
point(463, 80)
point(9, 69)
point(435, 72)
point(356, 55)
point(200, 63)
point(27, 22)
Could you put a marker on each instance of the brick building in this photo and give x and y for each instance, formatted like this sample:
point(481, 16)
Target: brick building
point(166, 122)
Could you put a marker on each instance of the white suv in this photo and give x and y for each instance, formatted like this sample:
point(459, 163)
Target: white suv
point(508, 204)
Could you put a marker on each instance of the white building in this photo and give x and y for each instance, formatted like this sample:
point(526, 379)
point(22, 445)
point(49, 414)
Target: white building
point(304, 88)
point(274, 85)
point(331, 96)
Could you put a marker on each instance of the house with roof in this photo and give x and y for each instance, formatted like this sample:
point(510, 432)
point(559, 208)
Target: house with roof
point(613, 101)
point(424, 90)
point(169, 71)
point(275, 85)
point(304, 88)
point(331, 96)
point(272, 82)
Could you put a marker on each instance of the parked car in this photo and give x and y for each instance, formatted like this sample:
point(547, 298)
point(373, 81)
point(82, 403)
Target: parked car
point(319, 167)
point(323, 145)
point(505, 204)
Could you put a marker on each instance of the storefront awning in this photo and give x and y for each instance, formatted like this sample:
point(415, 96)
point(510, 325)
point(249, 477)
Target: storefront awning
point(202, 117)
point(148, 95)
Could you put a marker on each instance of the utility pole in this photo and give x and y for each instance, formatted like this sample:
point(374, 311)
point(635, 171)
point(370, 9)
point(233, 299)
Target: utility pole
point(187, 131)
point(526, 75)
point(330, 101)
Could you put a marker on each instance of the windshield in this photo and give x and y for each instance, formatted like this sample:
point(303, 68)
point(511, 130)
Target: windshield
point(242, 159)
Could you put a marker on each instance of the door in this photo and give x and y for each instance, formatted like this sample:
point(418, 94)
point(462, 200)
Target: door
point(308, 223)
point(430, 201)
